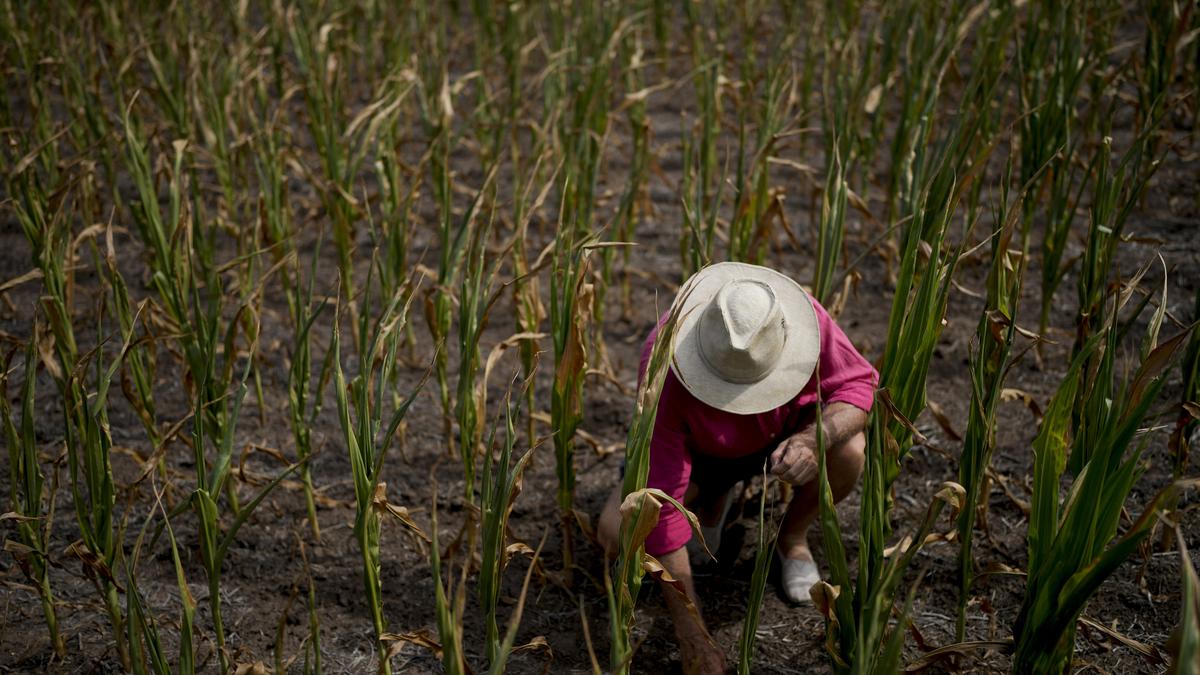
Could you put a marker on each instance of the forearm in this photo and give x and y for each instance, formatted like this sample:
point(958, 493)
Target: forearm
point(840, 422)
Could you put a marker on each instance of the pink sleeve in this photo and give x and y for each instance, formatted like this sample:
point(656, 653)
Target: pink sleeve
point(670, 459)
point(670, 470)
point(845, 376)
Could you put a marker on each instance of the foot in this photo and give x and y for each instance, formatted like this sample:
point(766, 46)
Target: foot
point(797, 575)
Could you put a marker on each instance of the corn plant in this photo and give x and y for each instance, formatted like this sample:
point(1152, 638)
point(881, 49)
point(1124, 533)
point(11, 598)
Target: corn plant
point(47, 228)
point(148, 650)
point(700, 184)
point(922, 287)
point(1116, 190)
point(1052, 61)
point(450, 599)
point(831, 227)
point(140, 367)
point(621, 230)
point(500, 484)
point(633, 195)
point(28, 497)
point(845, 90)
point(1167, 24)
point(990, 359)
point(395, 224)
point(437, 109)
point(932, 35)
point(701, 201)
point(475, 301)
point(1062, 207)
point(276, 225)
point(640, 505)
point(213, 450)
point(361, 411)
point(568, 303)
point(528, 312)
point(769, 109)
point(342, 144)
point(857, 612)
point(93, 492)
point(305, 402)
point(168, 240)
point(583, 132)
point(1187, 422)
point(764, 553)
point(1187, 651)
point(1073, 542)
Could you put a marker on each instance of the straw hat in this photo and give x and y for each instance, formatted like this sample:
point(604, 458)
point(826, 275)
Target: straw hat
point(747, 340)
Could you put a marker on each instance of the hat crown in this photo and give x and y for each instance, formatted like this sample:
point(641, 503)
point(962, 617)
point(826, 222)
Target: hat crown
point(742, 331)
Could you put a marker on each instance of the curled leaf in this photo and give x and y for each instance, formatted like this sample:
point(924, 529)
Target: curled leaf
point(639, 515)
point(421, 638)
point(381, 504)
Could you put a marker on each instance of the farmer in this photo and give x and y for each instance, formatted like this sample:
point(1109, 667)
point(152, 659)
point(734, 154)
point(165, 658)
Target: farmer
point(753, 355)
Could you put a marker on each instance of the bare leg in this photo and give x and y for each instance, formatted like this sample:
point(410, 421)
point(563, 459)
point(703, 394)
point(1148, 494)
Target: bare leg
point(708, 509)
point(608, 530)
point(844, 463)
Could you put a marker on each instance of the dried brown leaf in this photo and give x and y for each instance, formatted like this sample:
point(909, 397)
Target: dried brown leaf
point(17, 518)
point(639, 515)
point(1192, 408)
point(31, 275)
point(380, 503)
point(420, 638)
point(944, 421)
point(1013, 394)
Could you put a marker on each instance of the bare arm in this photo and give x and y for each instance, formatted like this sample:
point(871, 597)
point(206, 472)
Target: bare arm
point(700, 655)
point(795, 462)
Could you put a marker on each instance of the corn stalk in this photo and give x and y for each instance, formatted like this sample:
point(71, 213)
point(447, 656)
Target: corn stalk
point(360, 404)
point(475, 301)
point(1187, 651)
point(147, 647)
point(640, 505)
point(28, 498)
point(857, 615)
point(305, 402)
point(501, 483)
point(1073, 543)
point(764, 553)
point(989, 361)
point(1115, 193)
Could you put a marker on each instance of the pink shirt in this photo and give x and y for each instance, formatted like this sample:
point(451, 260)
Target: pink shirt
point(685, 425)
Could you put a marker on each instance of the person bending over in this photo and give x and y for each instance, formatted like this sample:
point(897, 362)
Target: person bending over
point(754, 354)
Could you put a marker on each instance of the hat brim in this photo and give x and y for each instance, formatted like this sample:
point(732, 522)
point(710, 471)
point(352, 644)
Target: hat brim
point(796, 363)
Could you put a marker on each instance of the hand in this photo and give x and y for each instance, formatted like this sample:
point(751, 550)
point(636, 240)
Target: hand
point(794, 460)
point(702, 657)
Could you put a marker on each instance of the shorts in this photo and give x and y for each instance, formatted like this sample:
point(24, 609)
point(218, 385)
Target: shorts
point(716, 475)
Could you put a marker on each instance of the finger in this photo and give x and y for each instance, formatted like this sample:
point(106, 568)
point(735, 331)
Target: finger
point(778, 453)
point(804, 471)
point(806, 476)
point(792, 474)
point(779, 459)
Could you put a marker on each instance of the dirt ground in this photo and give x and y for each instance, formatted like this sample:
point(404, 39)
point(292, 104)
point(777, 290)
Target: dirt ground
point(263, 570)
